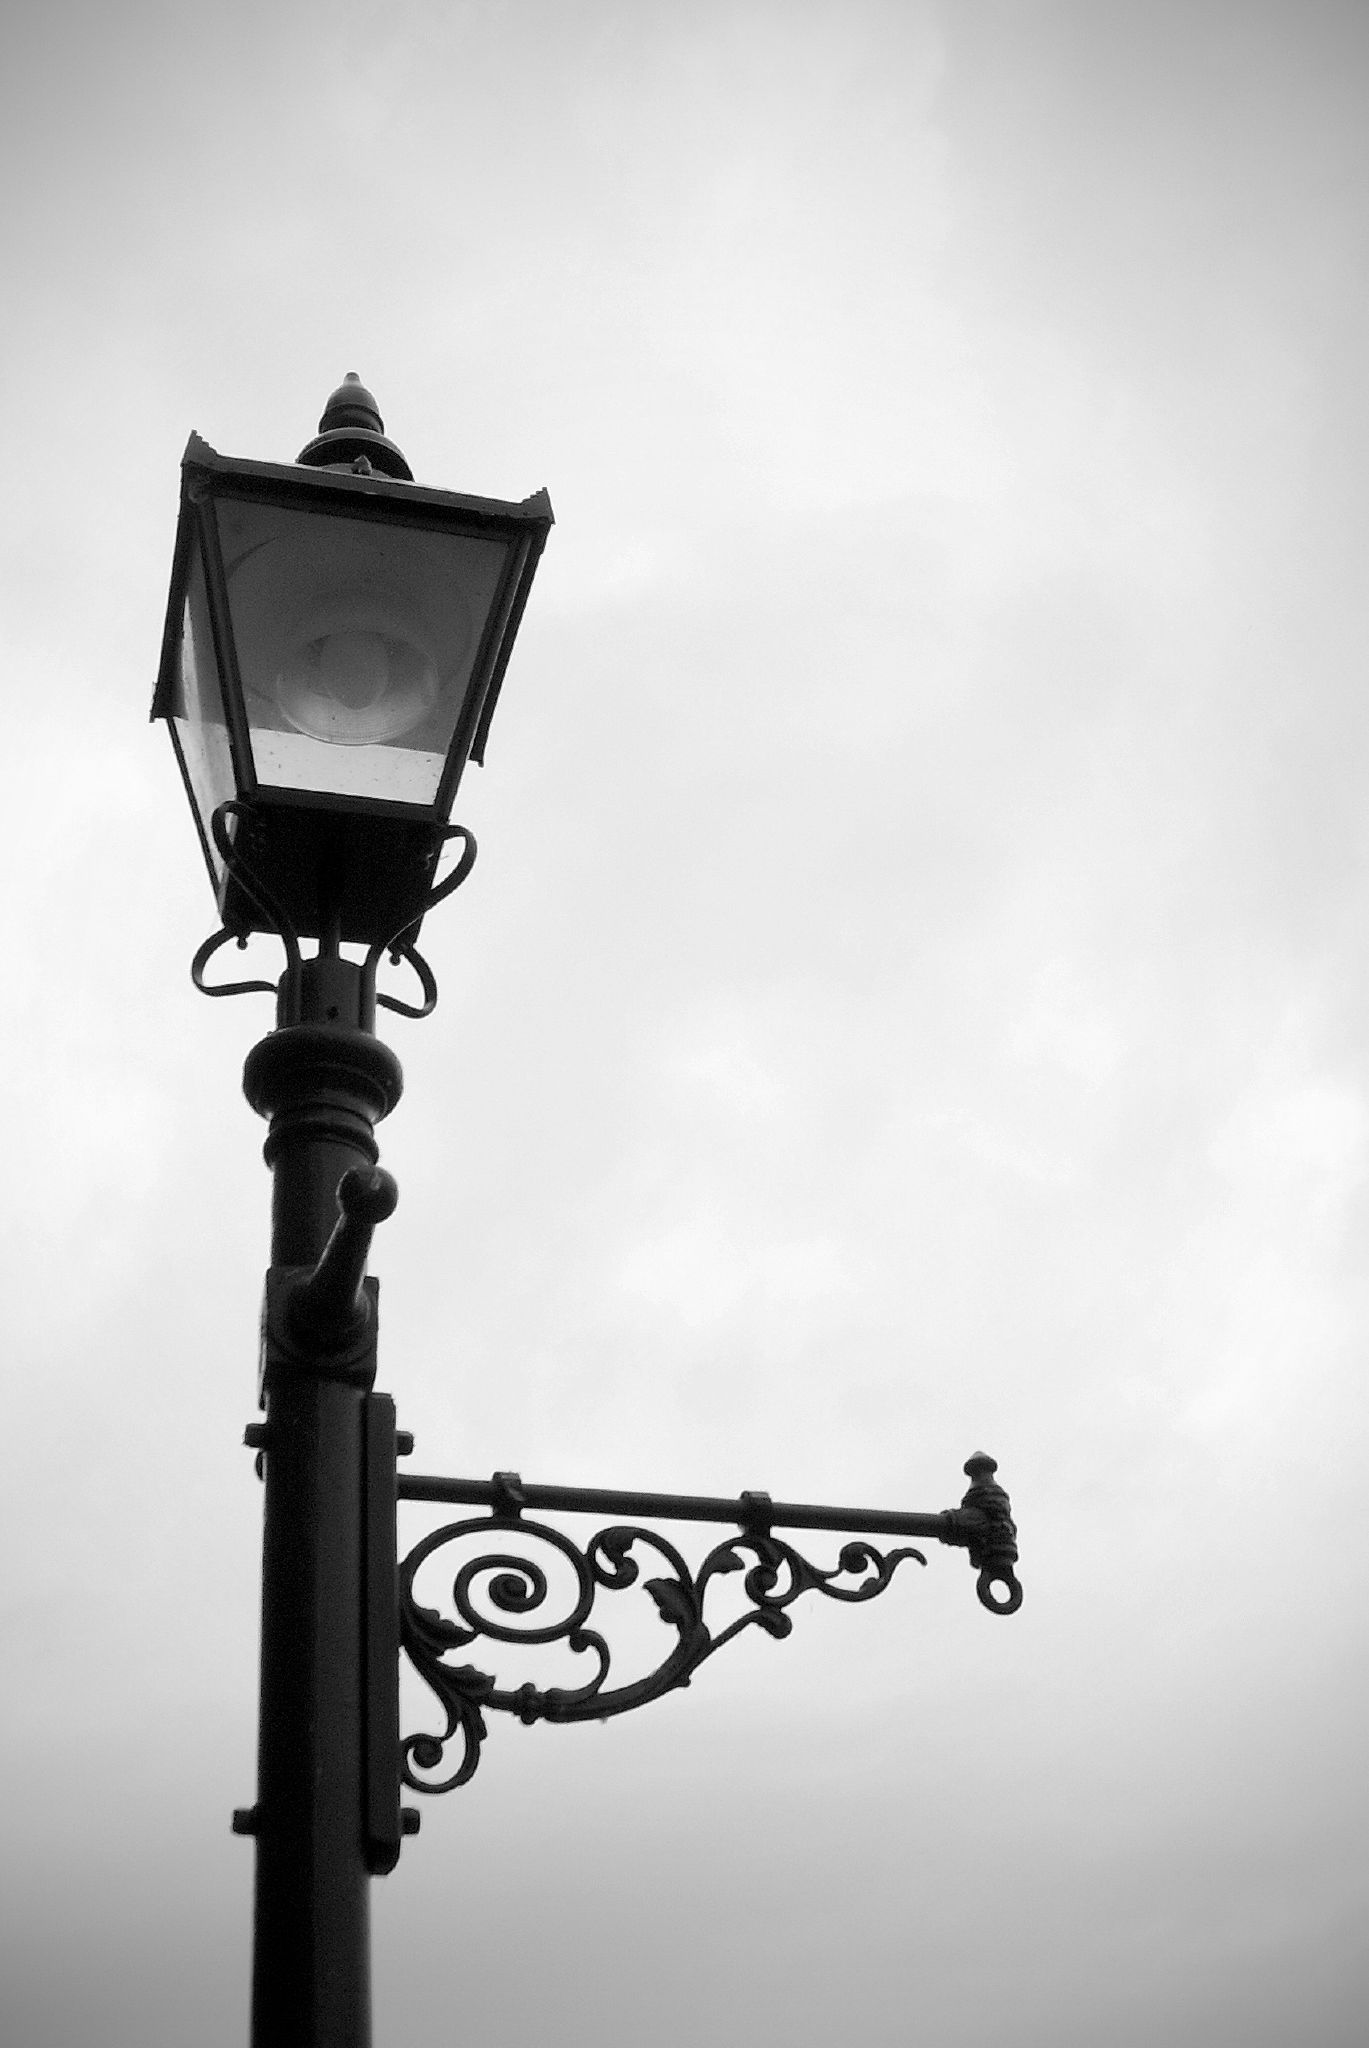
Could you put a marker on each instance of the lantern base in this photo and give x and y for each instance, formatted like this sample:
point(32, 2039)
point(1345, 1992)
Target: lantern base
point(335, 874)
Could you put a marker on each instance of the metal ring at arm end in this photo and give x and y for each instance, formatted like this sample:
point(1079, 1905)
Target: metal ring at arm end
point(992, 1578)
point(993, 1541)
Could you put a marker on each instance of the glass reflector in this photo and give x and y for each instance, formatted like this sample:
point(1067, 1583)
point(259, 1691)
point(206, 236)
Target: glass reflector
point(356, 642)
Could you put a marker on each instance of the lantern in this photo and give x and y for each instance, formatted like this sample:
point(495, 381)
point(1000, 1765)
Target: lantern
point(335, 642)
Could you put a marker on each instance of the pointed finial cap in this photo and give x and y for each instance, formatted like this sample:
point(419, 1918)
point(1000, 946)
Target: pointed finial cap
point(350, 431)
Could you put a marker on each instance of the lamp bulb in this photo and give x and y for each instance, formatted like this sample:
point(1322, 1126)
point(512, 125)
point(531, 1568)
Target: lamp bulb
point(352, 668)
point(356, 684)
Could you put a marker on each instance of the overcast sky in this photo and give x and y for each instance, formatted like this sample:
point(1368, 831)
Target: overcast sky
point(912, 995)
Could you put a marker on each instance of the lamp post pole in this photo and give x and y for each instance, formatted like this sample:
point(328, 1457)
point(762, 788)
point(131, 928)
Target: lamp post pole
point(324, 1084)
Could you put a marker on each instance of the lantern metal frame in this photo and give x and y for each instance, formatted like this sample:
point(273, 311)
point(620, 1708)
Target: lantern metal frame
point(306, 862)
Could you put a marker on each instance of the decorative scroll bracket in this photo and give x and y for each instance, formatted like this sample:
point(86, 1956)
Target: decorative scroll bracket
point(503, 1596)
point(234, 853)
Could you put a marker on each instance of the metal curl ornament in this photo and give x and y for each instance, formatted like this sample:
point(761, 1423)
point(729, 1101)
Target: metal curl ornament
point(774, 1576)
point(400, 945)
point(205, 953)
point(233, 853)
point(427, 982)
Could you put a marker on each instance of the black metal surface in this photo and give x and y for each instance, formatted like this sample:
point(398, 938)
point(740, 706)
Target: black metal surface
point(427, 982)
point(517, 1586)
point(311, 1944)
point(319, 1802)
point(746, 1509)
point(351, 432)
point(384, 1819)
point(378, 861)
point(205, 953)
point(986, 1528)
point(504, 1596)
point(330, 1307)
point(327, 988)
point(324, 1089)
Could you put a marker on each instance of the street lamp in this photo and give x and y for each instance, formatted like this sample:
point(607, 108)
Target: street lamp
point(335, 642)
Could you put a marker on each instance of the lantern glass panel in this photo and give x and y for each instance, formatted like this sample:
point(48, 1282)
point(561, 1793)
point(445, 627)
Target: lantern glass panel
point(197, 713)
point(356, 641)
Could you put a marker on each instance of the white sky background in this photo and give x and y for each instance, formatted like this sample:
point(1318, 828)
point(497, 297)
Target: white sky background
point(912, 995)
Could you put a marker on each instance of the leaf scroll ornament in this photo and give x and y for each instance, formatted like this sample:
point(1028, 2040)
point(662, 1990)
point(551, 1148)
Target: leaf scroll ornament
point(504, 1597)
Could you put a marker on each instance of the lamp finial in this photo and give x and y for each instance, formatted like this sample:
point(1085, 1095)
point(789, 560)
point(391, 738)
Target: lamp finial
point(351, 430)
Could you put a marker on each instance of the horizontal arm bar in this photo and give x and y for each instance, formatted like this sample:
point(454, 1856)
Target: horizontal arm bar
point(508, 1493)
point(516, 1586)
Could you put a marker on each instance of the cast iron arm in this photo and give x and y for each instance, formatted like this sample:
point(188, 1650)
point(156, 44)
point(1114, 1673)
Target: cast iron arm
point(505, 1596)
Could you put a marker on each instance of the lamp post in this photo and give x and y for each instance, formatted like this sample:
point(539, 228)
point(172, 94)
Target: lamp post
point(335, 643)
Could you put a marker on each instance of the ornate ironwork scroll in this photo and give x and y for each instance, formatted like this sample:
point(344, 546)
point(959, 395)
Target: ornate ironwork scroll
point(235, 851)
point(504, 1596)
